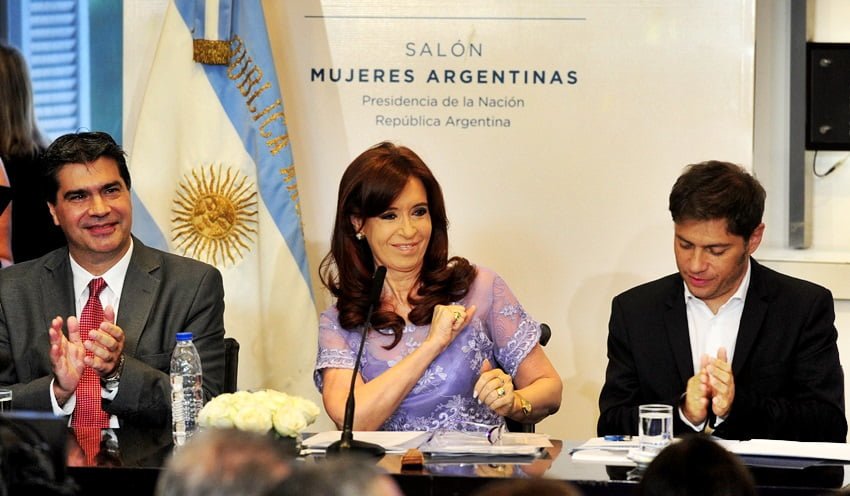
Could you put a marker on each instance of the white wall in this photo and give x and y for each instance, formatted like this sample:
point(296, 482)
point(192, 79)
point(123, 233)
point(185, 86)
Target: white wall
point(572, 235)
point(570, 209)
point(827, 261)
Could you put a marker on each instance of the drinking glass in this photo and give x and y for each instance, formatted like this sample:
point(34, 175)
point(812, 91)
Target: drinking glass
point(655, 427)
point(5, 400)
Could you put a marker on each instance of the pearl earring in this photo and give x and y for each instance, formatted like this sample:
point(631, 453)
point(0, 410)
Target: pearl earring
point(359, 236)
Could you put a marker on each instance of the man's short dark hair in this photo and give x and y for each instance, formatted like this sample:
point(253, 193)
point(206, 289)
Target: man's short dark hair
point(719, 190)
point(79, 148)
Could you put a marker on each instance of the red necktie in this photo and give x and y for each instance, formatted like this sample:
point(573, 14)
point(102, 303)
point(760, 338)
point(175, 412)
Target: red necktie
point(89, 440)
point(88, 412)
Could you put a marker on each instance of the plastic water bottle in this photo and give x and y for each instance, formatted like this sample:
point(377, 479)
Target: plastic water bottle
point(187, 395)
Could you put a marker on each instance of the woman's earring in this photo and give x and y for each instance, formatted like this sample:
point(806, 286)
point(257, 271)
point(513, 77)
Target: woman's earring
point(359, 236)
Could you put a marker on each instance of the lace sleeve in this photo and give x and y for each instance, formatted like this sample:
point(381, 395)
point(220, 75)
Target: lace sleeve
point(335, 346)
point(514, 332)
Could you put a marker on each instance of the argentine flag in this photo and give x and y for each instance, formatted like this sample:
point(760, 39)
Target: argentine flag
point(214, 180)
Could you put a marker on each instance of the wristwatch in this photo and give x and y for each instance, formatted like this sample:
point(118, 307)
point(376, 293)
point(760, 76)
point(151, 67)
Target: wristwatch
point(111, 382)
point(524, 404)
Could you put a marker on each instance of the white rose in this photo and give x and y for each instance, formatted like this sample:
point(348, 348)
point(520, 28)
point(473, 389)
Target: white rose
point(307, 408)
point(289, 422)
point(277, 397)
point(224, 399)
point(254, 418)
point(216, 414)
point(241, 398)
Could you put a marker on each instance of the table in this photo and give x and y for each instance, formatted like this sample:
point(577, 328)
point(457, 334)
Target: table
point(134, 460)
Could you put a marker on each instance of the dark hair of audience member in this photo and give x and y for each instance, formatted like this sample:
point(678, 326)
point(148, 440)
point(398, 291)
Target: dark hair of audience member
point(522, 487)
point(223, 462)
point(27, 467)
point(696, 466)
point(347, 476)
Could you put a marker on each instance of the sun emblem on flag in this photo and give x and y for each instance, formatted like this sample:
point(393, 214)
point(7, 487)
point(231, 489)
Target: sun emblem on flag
point(215, 215)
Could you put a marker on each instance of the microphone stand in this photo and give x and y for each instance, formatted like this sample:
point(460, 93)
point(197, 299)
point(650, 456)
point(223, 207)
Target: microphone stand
point(347, 443)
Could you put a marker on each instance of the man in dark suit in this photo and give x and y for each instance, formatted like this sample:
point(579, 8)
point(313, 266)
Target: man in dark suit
point(734, 347)
point(46, 352)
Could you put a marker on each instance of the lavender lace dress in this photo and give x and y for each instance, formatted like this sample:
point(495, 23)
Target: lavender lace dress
point(500, 331)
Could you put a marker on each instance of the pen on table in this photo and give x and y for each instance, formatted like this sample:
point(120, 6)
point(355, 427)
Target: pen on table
point(617, 437)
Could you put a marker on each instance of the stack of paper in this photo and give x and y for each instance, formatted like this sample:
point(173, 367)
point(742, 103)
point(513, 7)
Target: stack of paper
point(392, 441)
point(756, 452)
point(792, 449)
point(602, 450)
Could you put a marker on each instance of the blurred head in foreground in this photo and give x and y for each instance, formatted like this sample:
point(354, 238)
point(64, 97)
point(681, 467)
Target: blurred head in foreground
point(522, 487)
point(696, 466)
point(222, 462)
point(346, 476)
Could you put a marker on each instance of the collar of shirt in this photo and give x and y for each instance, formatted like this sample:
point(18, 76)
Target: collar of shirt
point(114, 277)
point(707, 331)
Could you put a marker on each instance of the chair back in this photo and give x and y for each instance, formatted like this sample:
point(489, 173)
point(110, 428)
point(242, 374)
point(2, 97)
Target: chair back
point(231, 365)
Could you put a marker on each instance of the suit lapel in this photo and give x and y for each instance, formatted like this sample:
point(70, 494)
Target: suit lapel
point(57, 288)
point(755, 309)
point(138, 295)
point(676, 325)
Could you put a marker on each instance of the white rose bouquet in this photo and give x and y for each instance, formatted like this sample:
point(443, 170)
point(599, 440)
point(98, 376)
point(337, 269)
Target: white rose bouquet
point(260, 411)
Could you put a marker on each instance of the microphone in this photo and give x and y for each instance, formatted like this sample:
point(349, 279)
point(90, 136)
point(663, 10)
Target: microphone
point(346, 442)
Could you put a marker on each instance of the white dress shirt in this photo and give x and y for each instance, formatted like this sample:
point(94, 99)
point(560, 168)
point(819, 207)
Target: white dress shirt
point(110, 295)
point(708, 332)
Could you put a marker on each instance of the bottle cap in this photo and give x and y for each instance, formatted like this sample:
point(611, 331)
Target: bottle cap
point(184, 336)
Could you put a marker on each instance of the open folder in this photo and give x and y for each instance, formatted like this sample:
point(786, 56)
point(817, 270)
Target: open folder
point(458, 443)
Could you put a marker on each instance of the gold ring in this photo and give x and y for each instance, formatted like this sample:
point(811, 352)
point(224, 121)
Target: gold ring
point(500, 392)
point(457, 317)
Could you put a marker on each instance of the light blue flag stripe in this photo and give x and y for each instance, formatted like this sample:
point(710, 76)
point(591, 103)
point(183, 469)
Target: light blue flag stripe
point(144, 225)
point(248, 23)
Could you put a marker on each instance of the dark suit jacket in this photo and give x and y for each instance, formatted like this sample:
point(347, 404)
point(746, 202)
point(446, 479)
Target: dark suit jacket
point(788, 380)
point(163, 294)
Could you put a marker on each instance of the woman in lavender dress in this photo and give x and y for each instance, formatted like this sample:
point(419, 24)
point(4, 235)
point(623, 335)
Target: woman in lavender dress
point(452, 346)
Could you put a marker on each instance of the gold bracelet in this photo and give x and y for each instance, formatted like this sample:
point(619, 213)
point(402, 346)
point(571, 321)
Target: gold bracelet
point(524, 404)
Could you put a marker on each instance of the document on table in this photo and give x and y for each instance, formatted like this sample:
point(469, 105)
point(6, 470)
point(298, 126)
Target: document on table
point(619, 443)
point(756, 452)
point(791, 449)
point(608, 451)
point(458, 443)
point(392, 441)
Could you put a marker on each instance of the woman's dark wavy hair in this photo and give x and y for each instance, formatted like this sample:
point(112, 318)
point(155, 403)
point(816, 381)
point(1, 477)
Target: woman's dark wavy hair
point(367, 189)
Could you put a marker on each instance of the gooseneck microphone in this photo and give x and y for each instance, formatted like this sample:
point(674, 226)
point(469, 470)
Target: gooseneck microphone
point(346, 442)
